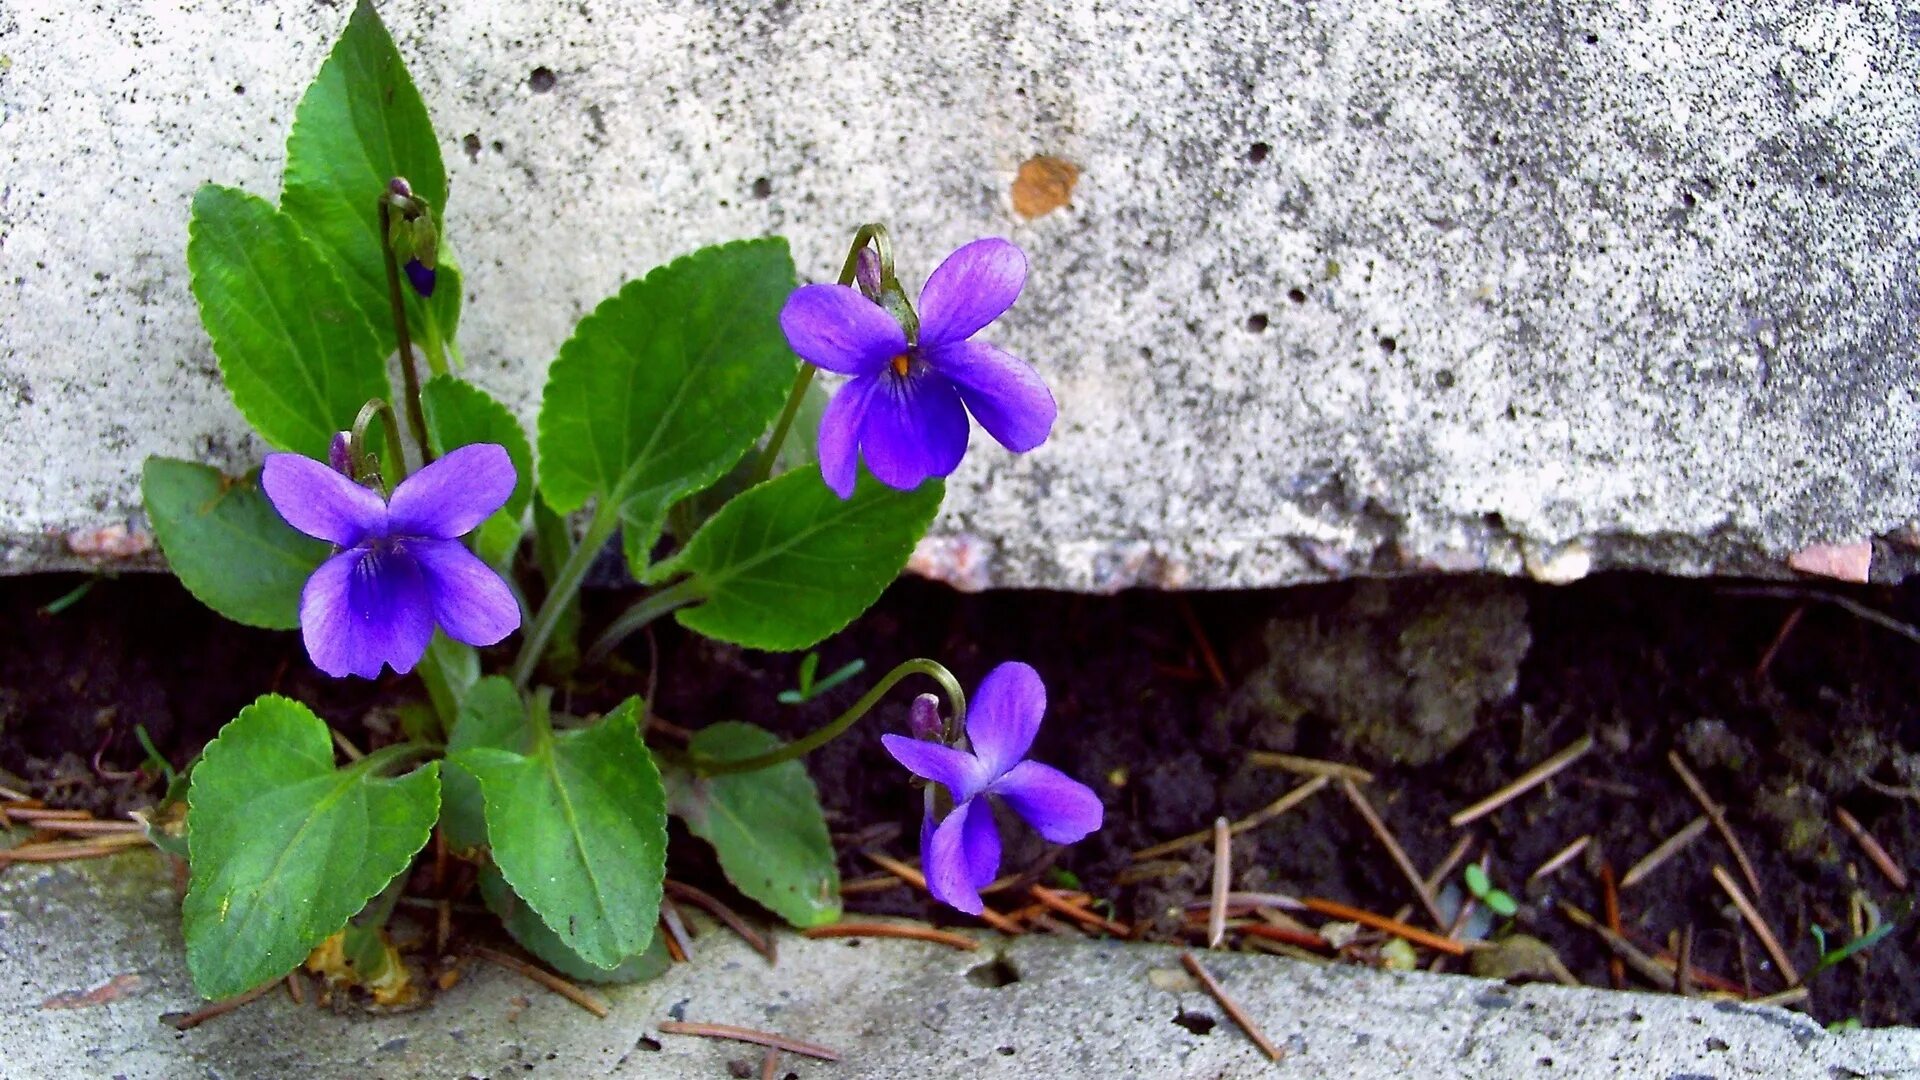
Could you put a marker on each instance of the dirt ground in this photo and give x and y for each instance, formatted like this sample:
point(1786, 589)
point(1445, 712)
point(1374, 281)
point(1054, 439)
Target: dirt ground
point(1446, 690)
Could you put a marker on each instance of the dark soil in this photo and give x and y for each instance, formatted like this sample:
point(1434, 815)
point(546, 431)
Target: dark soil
point(1646, 665)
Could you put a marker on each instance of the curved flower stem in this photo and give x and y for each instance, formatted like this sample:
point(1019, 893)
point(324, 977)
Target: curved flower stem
point(379, 406)
point(409, 374)
point(647, 609)
point(956, 701)
point(876, 234)
point(606, 518)
point(386, 756)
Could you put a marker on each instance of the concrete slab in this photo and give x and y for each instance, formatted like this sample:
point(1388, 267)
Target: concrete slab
point(1074, 1009)
point(1349, 287)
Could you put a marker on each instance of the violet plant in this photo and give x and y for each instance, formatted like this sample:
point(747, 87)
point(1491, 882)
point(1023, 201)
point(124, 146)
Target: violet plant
point(414, 530)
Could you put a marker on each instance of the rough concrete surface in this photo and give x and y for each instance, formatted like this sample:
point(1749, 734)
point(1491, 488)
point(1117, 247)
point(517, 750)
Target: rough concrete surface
point(892, 1009)
point(1347, 287)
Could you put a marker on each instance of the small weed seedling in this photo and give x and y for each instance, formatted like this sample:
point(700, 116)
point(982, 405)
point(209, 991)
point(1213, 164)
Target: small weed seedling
point(809, 689)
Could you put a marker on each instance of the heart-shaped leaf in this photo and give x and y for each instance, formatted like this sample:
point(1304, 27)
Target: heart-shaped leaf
point(460, 414)
point(227, 544)
point(578, 828)
point(285, 847)
point(297, 355)
point(491, 715)
point(534, 936)
point(766, 825)
point(789, 562)
point(665, 385)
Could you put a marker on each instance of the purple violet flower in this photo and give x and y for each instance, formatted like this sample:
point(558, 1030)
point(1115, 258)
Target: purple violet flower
point(420, 276)
point(402, 568)
point(905, 408)
point(962, 854)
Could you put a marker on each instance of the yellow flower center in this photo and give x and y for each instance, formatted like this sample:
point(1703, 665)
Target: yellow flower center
point(900, 365)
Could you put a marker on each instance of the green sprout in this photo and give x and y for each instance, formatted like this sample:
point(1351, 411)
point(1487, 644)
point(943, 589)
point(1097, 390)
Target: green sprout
point(1498, 901)
point(1874, 936)
point(809, 689)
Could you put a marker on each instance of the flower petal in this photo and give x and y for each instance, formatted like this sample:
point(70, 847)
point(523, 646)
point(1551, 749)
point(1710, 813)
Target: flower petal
point(915, 427)
point(468, 598)
point(971, 289)
point(980, 842)
point(834, 328)
point(448, 498)
point(949, 874)
point(1060, 808)
point(320, 502)
point(840, 434)
point(958, 770)
point(1002, 391)
point(362, 609)
point(1004, 715)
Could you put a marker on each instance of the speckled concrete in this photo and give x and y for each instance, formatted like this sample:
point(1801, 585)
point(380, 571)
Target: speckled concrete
point(890, 1008)
point(1344, 287)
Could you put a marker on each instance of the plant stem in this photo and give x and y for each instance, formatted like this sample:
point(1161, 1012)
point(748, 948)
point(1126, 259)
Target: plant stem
point(644, 611)
point(956, 701)
point(388, 755)
point(606, 518)
point(409, 374)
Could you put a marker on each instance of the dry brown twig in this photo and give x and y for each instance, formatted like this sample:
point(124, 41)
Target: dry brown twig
point(545, 978)
point(919, 881)
point(1716, 815)
point(1260, 817)
point(1875, 853)
point(1526, 782)
point(1760, 928)
point(1307, 766)
point(748, 1035)
point(909, 931)
point(1667, 849)
point(759, 942)
point(1395, 851)
point(1334, 909)
point(1222, 883)
point(1561, 858)
point(1231, 1007)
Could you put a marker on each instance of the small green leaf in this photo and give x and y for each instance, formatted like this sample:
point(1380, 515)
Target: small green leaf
point(534, 936)
point(766, 826)
point(227, 544)
point(1476, 879)
point(788, 563)
point(666, 385)
point(296, 354)
point(360, 124)
point(799, 451)
point(284, 847)
point(491, 715)
point(578, 827)
point(1501, 903)
point(461, 414)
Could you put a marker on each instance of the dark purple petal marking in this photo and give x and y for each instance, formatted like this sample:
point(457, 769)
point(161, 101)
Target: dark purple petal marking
point(1004, 715)
point(915, 427)
point(980, 842)
point(836, 329)
point(840, 424)
point(320, 502)
point(448, 498)
point(1060, 808)
point(949, 876)
point(1001, 390)
point(975, 286)
point(957, 770)
point(469, 600)
point(420, 277)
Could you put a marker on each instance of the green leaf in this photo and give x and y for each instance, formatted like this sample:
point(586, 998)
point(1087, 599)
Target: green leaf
point(492, 715)
point(766, 826)
point(553, 542)
point(1476, 879)
point(578, 827)
point(788, 563)
point(534, 936)
point(666, 385)
point(360, 124)
point(461, 414)
point(227, 544)
point(799, 451)
point(284, 847)
point(296, 354)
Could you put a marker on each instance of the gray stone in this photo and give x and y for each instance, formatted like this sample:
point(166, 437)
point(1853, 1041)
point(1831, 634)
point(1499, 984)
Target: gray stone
point(1348, 287)
point(892, 1009)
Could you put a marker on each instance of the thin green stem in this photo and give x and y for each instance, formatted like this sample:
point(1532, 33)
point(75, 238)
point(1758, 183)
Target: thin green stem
point(379, 407)
point(409, 373)
point(956, 701)
point(387, 756)
point(606, 518)
point(644, 611)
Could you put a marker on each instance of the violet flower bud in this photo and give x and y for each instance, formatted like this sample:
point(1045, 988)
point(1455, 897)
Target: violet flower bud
point(923, 718)
point(340, 453)
point(420, 277)
point(866, 273)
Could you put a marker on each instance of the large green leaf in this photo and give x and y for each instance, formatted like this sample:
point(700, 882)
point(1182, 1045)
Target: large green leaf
point(578, 826)
point(460, 414)
point(798, 451)
point(298, 357)
point(360, 124)
point(666, 385)
point(534, 936)
point(284, 847)
point(766, 826)
point(492, 715)
point(227, 544)
point(790, 562)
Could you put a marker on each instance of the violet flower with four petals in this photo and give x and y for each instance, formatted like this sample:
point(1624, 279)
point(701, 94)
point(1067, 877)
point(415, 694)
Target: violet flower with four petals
point(905, 407)
point(402, 567)
point(962, 854)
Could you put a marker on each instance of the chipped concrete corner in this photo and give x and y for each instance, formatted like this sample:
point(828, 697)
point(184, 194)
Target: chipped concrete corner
point(94, 962)
point(1324, 290)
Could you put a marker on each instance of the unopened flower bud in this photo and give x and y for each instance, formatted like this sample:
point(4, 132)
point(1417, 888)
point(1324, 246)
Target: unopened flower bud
point(923, 718)
point(866, 273)
point(420, 277)
point(340, 453)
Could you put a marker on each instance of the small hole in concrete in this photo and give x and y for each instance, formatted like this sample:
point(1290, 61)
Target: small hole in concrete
point(1257, 323)
point(648, 1043)
point(762, 188)
point(1593, 39)
point(1719, 1045)
point(1499, 524)
point(1258, 152)
point(1298, 296)
point(1687, 200)
point(1444, 378)
point(498, 146)
point(471, 144)
point(1497, 139)
point(1006, 1051)
point(995, 974)
point(541, 80)
point(740, 1069)
point(1635, 1018)
point(1388, 345)
point(1545, 1063)
point(239, 88)
point(1198, 1023)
